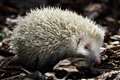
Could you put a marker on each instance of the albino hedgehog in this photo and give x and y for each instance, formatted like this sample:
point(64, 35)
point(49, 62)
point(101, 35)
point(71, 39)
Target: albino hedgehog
point(46, 36)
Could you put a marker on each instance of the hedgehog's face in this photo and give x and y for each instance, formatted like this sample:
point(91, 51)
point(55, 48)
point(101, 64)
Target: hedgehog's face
point(89, 48)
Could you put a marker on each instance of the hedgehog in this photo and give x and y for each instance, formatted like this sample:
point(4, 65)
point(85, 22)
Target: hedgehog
point(45, 36)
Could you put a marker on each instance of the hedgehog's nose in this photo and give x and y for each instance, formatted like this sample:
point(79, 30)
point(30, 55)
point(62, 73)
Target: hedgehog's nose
point(97, 61)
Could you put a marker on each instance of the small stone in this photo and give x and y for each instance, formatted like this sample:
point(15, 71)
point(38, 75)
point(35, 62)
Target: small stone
point(115, 43)
point(0, 44)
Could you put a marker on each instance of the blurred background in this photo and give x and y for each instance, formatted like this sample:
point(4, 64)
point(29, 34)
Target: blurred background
point(103, 12)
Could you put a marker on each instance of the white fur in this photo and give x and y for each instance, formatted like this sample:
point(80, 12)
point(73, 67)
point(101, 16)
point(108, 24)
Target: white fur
point(44, 31)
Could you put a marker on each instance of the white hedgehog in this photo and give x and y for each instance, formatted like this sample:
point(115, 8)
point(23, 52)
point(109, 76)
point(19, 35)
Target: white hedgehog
point(46, 36)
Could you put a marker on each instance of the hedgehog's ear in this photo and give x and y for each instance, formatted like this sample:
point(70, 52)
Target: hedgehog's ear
point(82, 35)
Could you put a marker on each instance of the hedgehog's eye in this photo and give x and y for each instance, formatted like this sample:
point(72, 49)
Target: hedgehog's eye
point(87, 46)
point(78, 41)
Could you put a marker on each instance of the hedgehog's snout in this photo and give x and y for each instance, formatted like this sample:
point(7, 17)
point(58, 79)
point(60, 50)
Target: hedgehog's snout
point(97, 61)
point(91, 57)
point(94, 60)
